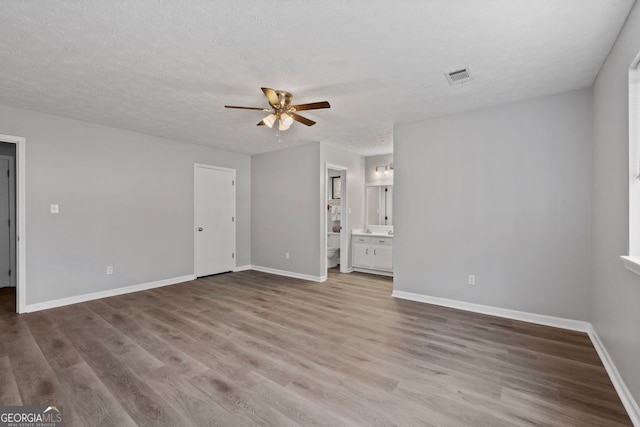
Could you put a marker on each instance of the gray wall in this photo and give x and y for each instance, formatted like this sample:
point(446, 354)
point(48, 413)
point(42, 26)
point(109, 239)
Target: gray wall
point(615, 311)
point(502, 193)
point(126, 200)
point(370, 168)
point(355, 189)
point(285, 209)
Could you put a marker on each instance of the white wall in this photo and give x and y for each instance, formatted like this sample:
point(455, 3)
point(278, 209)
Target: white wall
point(355, 193)
point(502, 193)
point(615, 310)
point(285, 209)
point(126, 200)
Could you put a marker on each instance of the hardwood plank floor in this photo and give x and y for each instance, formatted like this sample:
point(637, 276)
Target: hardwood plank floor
point(251, 348)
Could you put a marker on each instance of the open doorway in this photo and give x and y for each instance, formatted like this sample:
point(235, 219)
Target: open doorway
point(8, 234)
point(12, 225)
point(336, 218)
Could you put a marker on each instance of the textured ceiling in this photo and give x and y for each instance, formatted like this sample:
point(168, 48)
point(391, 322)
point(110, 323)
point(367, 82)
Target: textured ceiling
point(167, 67)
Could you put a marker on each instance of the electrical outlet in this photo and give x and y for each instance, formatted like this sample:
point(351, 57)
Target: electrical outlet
point(54, 209)
point(286, 255)
point(472, 279)
point(109, 269)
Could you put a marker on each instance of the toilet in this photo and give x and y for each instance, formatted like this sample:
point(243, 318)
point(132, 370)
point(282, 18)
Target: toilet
point(333, 250)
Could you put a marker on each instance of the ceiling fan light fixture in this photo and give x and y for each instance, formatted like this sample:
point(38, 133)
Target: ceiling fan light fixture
point(286, 119)
point(270, 120)
point(282, 126)
point(282, 111)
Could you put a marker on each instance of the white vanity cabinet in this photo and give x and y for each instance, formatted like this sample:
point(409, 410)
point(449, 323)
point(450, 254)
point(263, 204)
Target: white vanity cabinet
point(372, 254)
point(361, 253)
point(382, 258)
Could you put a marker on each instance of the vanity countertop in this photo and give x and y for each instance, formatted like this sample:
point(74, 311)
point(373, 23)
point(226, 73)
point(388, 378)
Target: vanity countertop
point(360, 232)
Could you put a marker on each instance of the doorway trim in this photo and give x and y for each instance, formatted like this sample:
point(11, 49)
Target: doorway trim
point(344, 234)
point(21, 250)
point(195, 219)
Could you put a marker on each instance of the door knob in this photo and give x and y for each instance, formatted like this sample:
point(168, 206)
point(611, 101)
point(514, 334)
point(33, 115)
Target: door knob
point(200, 229)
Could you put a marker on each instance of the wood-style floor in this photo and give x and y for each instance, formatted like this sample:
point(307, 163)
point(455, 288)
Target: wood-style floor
point(255, 349)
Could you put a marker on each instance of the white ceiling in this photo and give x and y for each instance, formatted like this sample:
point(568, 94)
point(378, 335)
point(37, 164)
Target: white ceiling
point(167, 67)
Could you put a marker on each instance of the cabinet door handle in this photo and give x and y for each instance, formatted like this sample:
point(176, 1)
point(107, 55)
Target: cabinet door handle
point(367, 251)
point(374, 251)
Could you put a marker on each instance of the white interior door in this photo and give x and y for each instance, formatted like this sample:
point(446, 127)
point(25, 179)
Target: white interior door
point(215, 206)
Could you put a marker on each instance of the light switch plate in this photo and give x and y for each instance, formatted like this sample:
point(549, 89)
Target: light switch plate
point(54, 209)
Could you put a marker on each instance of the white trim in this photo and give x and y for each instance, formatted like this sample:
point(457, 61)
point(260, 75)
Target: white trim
point(631, 263)
point(195, 216)
point(242, 268)
point(627, 399)
point(289, 274)
point(106, 294)
point(541, 319)
point(21, 239)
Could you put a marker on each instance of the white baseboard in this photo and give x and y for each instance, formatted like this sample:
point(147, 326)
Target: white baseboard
point(625, 395)
point(289, 274)
point(541, 319)
point(242, 268)
point(29, 308)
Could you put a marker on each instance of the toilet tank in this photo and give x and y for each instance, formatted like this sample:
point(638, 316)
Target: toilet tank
point(333, 240)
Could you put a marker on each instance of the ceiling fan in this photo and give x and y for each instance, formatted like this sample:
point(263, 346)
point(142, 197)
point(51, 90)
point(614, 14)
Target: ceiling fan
point(282, 111)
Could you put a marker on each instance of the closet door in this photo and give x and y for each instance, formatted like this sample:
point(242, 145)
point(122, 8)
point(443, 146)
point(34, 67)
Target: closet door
point(215, 206)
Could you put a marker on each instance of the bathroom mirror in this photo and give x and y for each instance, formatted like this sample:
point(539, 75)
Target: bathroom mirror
point(379, 205)
point(336, 187)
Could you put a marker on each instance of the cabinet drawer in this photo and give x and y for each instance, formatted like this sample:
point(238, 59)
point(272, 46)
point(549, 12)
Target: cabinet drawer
point(381, 240)
point(360, 239)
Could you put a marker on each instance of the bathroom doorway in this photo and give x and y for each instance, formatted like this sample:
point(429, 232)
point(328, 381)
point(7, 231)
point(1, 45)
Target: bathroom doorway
point(335, 219)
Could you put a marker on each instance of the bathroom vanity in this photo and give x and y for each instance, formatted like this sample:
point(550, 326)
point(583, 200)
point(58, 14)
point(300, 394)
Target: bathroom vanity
point(372, 250)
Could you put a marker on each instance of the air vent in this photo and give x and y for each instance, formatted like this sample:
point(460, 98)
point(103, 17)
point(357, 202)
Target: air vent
point(458, 77)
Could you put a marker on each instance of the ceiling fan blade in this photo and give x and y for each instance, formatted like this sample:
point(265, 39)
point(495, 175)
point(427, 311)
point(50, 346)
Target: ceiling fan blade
point(247, 108)
point(271, 95)
point(262, 123)
point(312, 106)
point(303, 120)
